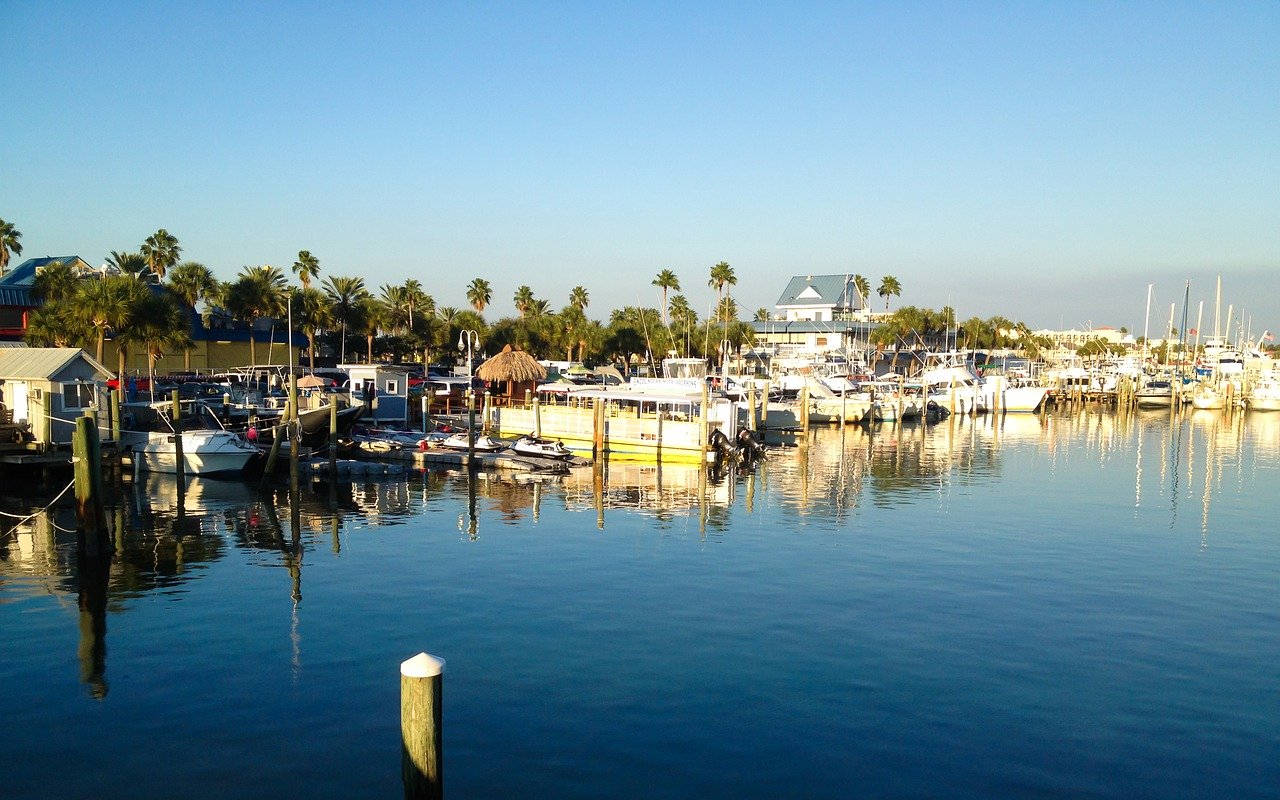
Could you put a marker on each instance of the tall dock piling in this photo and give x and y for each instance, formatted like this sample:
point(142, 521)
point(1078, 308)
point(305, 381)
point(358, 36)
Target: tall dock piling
point(421, 718)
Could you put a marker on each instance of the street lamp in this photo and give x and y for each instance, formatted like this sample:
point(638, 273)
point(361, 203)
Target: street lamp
point(468, 341)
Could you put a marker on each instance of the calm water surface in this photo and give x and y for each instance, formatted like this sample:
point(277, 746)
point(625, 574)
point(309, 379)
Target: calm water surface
point(1079, 606)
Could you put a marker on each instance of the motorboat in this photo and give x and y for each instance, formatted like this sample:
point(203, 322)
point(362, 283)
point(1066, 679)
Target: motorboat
point(482, 443)
point(208, 448)
point(1207, 396)
point(537, 446)
point(1155, 394)
point(1265, 395)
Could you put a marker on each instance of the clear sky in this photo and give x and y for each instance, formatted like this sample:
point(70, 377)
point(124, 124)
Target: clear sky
point(1041, 160)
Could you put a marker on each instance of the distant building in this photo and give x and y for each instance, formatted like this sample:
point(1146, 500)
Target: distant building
point(16, 303)
point(817, 314)
point(1072, 339)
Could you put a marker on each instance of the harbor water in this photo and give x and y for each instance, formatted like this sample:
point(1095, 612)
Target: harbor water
point(1077, 605)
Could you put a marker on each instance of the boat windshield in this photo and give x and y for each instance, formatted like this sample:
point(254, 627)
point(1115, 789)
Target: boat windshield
point(158, 417)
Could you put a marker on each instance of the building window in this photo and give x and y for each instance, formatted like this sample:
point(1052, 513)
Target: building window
point(77, 395)
point(821, 341)
point(393, 387)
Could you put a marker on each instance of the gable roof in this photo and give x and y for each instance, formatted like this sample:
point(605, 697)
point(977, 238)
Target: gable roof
point(43, 362)
point(820, 290)
point(25, 273)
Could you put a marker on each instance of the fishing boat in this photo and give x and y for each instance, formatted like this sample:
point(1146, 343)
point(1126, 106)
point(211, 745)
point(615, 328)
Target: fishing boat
point(208, 448)
point(951, 384)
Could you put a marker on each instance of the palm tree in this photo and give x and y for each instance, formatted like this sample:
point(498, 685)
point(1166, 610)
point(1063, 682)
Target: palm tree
point(55, 282)
point(345, 294)
point(58, 324)
point(578, 298)
point(9, 237)
point(479, 294)
point(398, 314)
point(307, 267)
point(161, 251)
point(889, 287)
point(863, 288)
point(373, 316)
point(416, 298)
point(522, 299)
point(108, 304)
point(684, 318)
point(258, 292)
point(131, 264)
point(762, 315)
point(158, 324)
point(666, 280)
point(313, 313)
point(192, 282)
point(722, 275)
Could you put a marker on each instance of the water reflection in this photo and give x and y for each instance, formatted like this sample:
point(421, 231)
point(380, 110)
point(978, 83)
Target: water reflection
point(164, 537)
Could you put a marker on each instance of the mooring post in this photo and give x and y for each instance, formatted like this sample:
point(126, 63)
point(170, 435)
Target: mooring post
point(537, 416)
point(89, 512)
point(421, 715)
point(333, 438)
point(179, 461)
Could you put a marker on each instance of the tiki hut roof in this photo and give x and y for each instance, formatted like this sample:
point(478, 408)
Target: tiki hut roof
point(512, 365)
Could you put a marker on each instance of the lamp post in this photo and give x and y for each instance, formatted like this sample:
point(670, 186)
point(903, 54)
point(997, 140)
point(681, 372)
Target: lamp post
point(468, 341)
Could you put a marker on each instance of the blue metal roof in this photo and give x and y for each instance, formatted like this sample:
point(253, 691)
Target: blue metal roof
point(25, 273)
point(821, 290)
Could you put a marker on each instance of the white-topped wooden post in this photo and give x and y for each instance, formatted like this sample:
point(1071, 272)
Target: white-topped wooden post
point(421, 739)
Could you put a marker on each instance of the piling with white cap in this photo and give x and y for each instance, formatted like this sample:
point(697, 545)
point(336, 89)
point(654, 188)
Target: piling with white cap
point(421, 713)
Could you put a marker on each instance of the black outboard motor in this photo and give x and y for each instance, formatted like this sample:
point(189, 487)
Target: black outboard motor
point(721, 445)
point(750, 445)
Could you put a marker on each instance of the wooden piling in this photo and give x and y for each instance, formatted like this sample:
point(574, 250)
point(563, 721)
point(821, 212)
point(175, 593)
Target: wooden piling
point(180, 462)
point(597, 433)
point(537, 416)
point(333, 438)
point(87, 458)
point(421, 727)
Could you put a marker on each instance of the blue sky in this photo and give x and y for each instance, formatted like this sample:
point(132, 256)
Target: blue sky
point(1045, 161)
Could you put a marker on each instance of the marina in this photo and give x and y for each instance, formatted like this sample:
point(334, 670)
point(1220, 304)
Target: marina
point(1097, 584)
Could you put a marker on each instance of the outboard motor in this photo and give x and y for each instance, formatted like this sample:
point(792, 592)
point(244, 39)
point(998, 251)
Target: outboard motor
point(721, 445)
point(750, 445)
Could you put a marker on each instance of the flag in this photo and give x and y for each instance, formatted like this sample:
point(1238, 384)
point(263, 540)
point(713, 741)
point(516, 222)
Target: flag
point(1269, 337)
point(1193, 332)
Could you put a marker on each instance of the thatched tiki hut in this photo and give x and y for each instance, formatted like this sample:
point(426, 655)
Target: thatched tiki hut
point(514, 367)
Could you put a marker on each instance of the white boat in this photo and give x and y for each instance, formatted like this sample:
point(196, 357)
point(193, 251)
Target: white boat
point(482, 443)
point(1155, 394)
point(539, 447)
point(1012, 395)
point(1207, 396)
point(847, 403)
point(1265, 395)
point(207, 447)
point(952, 385)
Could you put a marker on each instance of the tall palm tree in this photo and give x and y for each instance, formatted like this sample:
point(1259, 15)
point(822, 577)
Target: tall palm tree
point(761, 315)
point(415, 298)
point(161, 250)
point(192, 282)
point(683, 319)
point(666, 280)
point(578, 298)
point(9, 237)
point(345, 293)
point(479, 294)
point(55, 282)
point(522, 299)
point(722, 276)
point(158, 324)
point(258, 292)
point(889, 287)
point(398, 314)
point(307, 267)
point(313, 313)
point(109, 304)
point(373, 316)
point(863, 287)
